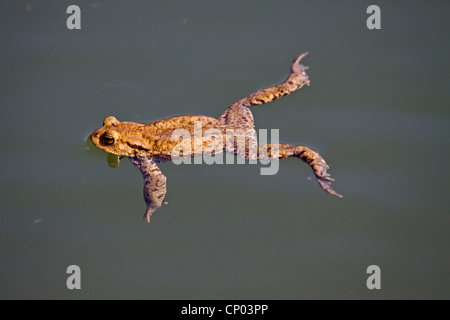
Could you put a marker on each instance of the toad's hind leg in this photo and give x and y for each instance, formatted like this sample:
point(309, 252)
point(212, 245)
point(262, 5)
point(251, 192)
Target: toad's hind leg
point(316, 162)
point(239, 113)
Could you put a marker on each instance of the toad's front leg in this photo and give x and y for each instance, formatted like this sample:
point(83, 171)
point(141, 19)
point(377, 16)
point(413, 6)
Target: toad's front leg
point(154, 184)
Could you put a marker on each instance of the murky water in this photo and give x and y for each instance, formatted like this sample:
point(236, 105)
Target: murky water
point(377, 110)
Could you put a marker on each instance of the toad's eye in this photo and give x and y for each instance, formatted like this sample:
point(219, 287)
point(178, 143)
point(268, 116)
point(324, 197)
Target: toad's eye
point(107, 139)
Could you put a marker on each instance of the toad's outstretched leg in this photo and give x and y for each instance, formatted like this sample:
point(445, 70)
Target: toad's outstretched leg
point(239, 113)
point(276, 151)
point(311, 157)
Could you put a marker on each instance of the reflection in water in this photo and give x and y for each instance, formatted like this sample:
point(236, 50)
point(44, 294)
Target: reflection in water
point(113, 160)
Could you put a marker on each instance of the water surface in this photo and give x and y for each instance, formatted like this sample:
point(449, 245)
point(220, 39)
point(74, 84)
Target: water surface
point(377, 110)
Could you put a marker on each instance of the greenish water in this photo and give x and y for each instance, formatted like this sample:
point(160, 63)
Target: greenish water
point(377, 110)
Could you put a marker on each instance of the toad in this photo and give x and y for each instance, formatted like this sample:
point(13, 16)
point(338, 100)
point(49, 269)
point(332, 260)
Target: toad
point(148, 144)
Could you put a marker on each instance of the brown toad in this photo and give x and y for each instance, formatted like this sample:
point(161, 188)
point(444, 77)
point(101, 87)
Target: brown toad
point(150, 143)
